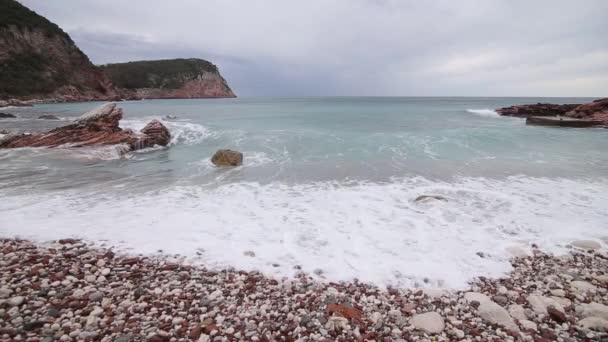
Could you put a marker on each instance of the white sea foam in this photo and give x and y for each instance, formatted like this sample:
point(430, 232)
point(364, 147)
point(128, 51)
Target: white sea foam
point(489, 113)
point(375, 232)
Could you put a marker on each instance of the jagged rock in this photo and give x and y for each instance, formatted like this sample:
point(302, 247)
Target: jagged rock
point(431, 322)
point(591, 114)
point(587, 244)
point(7, 116)
point(96, 127)
point(227, 158)
point(538, 109)
point(427, 198)
point(48, 117)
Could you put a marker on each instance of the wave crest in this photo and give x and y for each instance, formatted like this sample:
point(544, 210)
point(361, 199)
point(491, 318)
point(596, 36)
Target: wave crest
point(488, 113)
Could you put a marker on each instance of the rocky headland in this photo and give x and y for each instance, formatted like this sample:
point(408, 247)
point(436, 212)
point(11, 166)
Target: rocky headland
point(98, 127)
point(574, 115)
point(168, 79)
point(69, 290)
point(39, 62)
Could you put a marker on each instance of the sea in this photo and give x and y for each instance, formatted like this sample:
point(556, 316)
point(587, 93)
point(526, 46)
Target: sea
point(328, 186)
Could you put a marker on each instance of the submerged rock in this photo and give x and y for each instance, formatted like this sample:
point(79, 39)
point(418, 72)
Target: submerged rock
point(7, 116)
point(587, 244)
point(427, 198)
point(95, 128)
point(227, 158)
point(48, 117)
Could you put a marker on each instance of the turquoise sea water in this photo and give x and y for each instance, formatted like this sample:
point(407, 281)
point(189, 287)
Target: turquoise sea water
point(327, 183)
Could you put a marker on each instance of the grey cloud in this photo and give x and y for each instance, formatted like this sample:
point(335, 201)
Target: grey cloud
point(358, 47)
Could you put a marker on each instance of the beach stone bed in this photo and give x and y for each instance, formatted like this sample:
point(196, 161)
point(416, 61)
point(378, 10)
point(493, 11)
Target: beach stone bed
point(72, 291)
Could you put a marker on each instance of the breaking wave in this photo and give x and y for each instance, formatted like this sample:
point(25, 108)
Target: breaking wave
point(488, 113)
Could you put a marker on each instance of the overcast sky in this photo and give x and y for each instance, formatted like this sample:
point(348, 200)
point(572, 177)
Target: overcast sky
point(358, 47)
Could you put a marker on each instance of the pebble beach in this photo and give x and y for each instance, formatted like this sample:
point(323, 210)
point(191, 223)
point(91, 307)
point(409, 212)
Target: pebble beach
point(70, 290)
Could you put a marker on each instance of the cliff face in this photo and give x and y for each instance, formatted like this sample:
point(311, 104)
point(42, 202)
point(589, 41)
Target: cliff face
point(40, 61)
point(172, 78)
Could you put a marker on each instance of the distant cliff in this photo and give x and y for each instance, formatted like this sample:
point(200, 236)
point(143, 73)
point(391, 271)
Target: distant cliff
point(38, 60)
point(171, 78)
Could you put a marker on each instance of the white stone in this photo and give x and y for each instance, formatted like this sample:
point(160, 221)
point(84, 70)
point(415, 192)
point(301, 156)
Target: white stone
point(525, 324)
point(431, 322)
point(476, 296)
point(204, 338)
point(90, 278)
point(105, 271)
point(4, 292)
point(540, 303)
point(558, 293)
point(496, 314)
point(376, 316)
point(592, 310)
point(16, 301)
point(517, 311)
point(97, 311)
point(602, 278)
point(582, 286)
point(517, 252)
point(503, 290)
point(459, 333)
point(337, 323)
point(594, 323)
point(587, 244)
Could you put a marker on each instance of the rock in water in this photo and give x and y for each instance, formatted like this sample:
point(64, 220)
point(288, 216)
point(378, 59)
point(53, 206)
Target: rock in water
point(95, 128)
point(48, 117)
point(427, 198)
point(227, 158)
point(156, 134)
point(586, 244)
point(7, 116)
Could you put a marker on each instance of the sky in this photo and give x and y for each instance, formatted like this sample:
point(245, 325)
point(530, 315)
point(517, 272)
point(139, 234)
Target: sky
point(357, 47)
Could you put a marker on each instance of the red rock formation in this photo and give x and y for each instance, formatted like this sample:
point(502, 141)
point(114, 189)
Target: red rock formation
point(539, 109)
point(97, 127)
point(594, 111)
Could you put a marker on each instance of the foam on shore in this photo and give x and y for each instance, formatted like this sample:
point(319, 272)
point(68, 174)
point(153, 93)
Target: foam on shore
point(374, 232)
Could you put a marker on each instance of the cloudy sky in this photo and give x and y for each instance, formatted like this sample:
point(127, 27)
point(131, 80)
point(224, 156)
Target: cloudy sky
point(358, 47)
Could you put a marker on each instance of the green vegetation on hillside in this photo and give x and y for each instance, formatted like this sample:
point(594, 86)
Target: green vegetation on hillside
point(168, 73)
point(12, 13)
point(27, 73)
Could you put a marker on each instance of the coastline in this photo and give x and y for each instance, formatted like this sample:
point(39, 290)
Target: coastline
point(70, 290)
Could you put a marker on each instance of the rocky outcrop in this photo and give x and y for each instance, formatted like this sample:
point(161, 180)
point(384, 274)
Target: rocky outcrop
point(40, 61)
point(7, 116)
point(94, 128)
point(568, 115)
point(168, 79)
point(48, 117)
point(227, 158)
point(539, 109)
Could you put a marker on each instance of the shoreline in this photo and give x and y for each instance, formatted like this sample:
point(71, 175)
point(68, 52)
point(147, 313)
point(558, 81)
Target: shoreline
point(70, 290)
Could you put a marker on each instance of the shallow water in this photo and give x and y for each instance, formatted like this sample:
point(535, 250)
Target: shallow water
point(328, 183)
